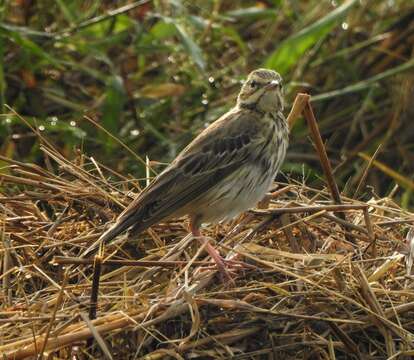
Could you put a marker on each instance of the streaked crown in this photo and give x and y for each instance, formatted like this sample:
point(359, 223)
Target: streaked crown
point(262, 91)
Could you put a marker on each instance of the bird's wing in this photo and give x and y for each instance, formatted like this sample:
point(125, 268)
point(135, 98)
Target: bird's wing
point(217, 152)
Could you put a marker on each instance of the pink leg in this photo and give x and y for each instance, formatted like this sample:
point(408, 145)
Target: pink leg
point(223, 265)
point(215, 255)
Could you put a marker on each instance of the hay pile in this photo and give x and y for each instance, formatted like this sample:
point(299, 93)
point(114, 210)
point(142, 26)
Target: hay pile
point(320, 287)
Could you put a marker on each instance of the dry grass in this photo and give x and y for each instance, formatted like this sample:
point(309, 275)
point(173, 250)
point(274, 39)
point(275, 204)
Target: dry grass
point(321, 287)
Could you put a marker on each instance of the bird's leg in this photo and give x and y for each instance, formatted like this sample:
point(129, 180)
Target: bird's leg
point(215, 255)
point(226, 267)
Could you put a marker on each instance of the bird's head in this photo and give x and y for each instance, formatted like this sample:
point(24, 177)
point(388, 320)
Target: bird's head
point(263, 91)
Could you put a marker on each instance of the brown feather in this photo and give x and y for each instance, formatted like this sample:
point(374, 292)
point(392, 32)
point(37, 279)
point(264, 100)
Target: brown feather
point(205, 162)
point(239, 148)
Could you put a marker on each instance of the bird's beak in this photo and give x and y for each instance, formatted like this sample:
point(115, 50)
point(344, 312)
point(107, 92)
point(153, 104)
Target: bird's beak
point(274, 84)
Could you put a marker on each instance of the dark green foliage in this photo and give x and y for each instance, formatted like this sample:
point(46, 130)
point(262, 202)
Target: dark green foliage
point(154, 73)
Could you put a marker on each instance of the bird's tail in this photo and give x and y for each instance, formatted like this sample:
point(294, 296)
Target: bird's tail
point(105, 239)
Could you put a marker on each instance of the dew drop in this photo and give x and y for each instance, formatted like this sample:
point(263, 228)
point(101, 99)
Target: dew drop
point(41, 128)
point(345, 25)
point(204, 101)
point(211, 79)
point(72, 123)
point(134, 132)
point(8, 121)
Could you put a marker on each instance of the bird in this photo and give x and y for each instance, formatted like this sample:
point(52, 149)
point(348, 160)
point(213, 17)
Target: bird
point(227, 169)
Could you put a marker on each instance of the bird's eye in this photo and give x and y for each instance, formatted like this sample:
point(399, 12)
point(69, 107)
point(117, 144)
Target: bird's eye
point(253, 84)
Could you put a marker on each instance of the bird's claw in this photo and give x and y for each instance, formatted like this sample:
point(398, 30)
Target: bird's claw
point(228, 269)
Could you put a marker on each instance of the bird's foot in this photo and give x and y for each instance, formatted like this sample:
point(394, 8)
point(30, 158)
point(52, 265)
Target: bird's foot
point(227, 267)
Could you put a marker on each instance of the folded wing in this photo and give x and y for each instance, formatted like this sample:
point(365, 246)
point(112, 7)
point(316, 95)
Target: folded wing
point(216, 153)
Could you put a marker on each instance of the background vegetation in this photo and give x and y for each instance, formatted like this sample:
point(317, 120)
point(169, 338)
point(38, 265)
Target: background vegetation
point(154, 73)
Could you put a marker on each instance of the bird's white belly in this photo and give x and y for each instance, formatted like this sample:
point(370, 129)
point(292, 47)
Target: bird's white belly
point(240, 192)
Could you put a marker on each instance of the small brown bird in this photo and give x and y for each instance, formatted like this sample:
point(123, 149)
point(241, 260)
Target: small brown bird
point(225, 170)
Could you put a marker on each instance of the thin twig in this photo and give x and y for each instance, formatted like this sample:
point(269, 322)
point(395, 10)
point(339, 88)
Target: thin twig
point(370, 231)
point(365, 174)
point(53, 317)
point(100, 18)
point(126, 147)
point(311, 209)
point(139, 263)
point(95, 333)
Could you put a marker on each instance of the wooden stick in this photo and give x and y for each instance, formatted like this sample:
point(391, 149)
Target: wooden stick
point(97, 266)
point(324, 160)
point(326, 165)
point(297, 108)
point(62, 260)
point(312, 209)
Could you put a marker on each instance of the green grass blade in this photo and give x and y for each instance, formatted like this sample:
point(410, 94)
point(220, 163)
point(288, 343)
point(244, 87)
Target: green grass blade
point(364, 84)
point(113, 107)
point(290, 50)
point(28, 45)
point(191, 47)
point(252, 13)
point(67, 12)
